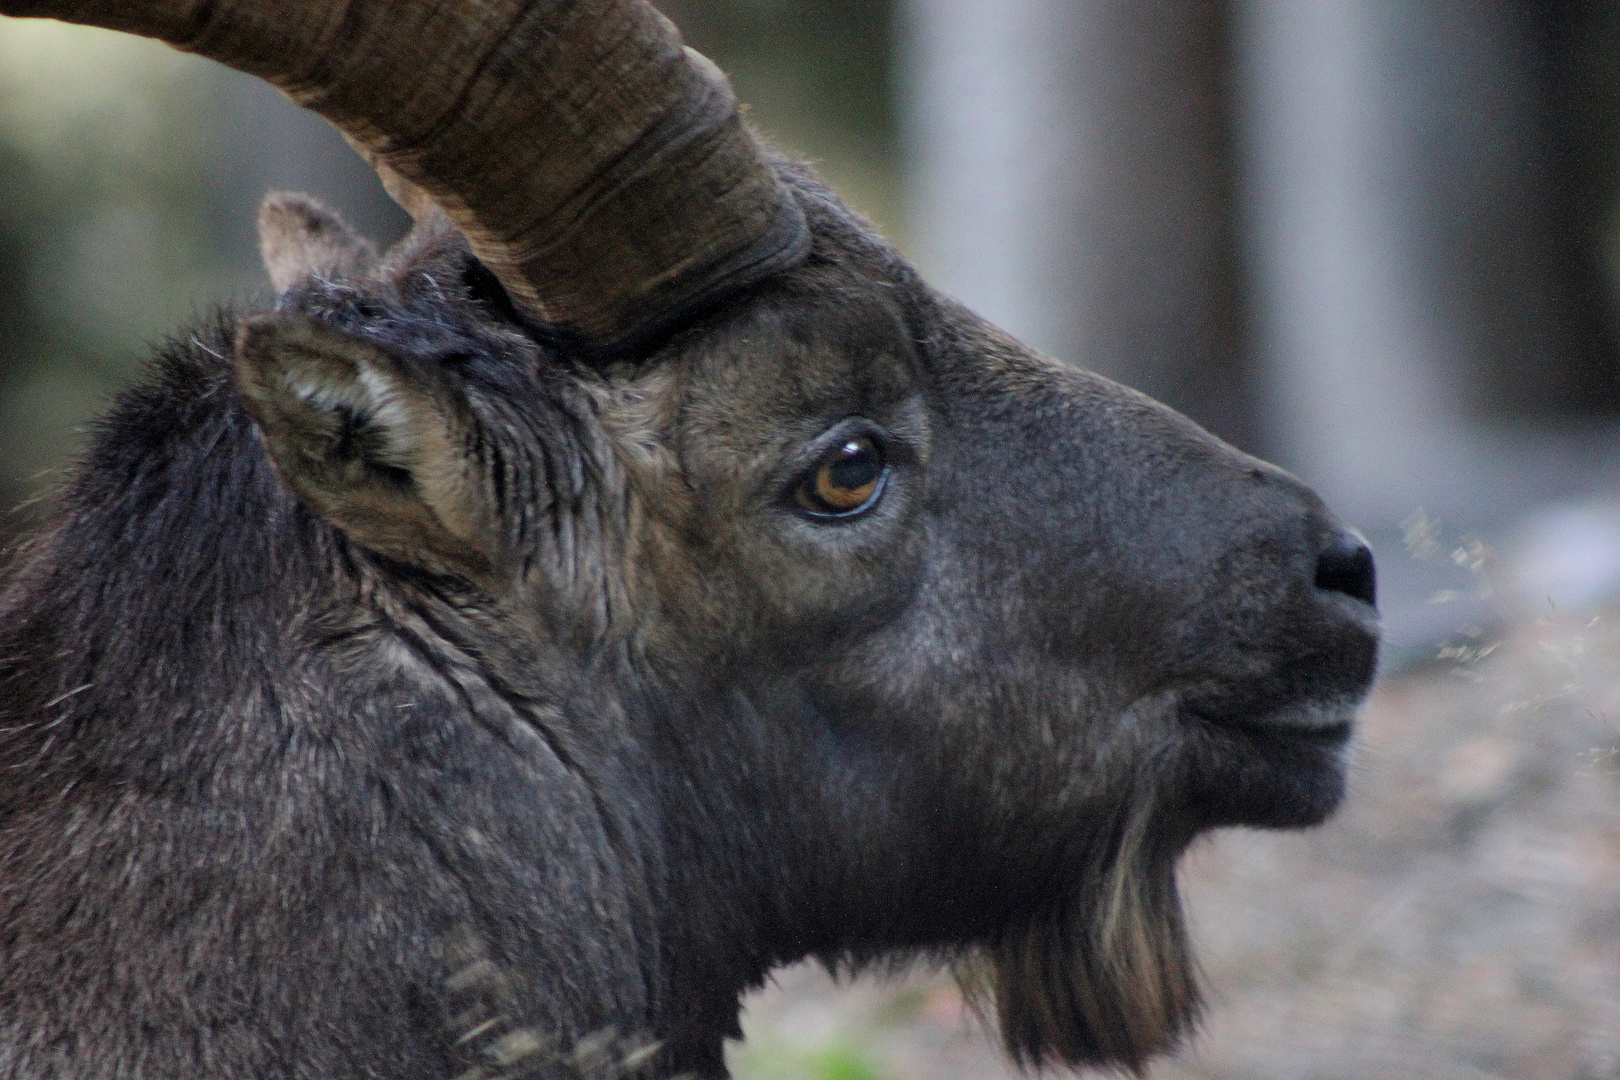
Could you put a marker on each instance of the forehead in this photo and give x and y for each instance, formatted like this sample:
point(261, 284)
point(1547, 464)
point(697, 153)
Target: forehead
point(796, 362)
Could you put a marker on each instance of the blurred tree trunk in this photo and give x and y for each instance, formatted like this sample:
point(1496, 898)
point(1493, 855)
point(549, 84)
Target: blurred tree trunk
point(1428, 188)
point(1569, 52)
point(1505, 150)
point(1072, 182)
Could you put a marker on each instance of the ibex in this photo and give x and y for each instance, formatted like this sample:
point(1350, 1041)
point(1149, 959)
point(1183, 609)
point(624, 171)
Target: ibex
point(639, 573)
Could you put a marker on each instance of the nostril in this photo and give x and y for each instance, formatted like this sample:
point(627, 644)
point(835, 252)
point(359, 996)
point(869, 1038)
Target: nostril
point(1346, 566)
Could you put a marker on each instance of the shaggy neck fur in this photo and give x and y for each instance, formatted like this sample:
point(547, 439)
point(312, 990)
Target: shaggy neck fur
point(256, 733)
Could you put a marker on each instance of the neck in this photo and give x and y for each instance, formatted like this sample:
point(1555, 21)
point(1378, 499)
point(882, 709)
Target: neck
point(783, 838)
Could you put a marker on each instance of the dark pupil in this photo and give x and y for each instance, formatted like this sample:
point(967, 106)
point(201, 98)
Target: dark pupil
point(857, 467)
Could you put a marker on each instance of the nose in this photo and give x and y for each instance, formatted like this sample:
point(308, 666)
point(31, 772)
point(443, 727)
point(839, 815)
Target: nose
point(1345, 565)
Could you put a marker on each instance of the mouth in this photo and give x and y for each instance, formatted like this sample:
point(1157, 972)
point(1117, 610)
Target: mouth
point(1329, 722)
point(1268, 765)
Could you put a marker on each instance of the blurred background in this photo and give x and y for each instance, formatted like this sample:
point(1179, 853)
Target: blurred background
point(1376, 242)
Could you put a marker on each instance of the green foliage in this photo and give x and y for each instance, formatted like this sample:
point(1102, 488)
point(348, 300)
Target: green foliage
point(834, 1060)
point(107, 227)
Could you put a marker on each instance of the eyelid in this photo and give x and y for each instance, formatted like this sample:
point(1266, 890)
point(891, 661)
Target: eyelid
point(871, 501)
point(815, 451)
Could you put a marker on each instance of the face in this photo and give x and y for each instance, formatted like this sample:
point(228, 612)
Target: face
point(972, 549)
point(1034, 629)
point(1054, 629)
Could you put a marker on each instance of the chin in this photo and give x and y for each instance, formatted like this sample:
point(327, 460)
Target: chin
point(1286, 770)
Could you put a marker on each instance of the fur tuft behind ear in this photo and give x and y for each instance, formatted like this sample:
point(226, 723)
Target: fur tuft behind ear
point(376, 443)
point(299, 238)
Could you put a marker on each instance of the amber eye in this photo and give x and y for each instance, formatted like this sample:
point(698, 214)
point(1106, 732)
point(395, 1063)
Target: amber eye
point(847, 481)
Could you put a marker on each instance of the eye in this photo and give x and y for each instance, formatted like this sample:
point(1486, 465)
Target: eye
point(847, 481)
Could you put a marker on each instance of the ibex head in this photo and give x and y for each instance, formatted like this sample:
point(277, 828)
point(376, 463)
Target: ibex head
point(852, 627)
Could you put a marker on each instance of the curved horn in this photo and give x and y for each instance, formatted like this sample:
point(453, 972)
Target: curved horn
point(598, 168)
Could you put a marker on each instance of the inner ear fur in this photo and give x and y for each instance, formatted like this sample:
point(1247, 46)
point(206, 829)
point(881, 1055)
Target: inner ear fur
point(375, 442)
point(301, 238)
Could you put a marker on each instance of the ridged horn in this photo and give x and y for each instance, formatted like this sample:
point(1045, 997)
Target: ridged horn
point(600, 169)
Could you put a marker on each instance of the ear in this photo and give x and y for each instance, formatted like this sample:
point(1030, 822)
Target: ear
point(376, 443)
point(299, 238)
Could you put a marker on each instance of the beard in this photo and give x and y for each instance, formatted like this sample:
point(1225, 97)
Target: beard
point(1104, 977)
